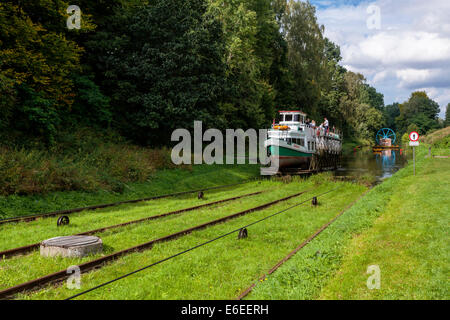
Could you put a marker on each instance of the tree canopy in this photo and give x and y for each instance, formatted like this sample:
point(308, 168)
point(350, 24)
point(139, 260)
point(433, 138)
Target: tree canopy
point(146, 67)
point(420, 111)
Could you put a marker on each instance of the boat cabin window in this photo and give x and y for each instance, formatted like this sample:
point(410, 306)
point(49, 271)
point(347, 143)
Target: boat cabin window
point(300, 142)
point(291, 117)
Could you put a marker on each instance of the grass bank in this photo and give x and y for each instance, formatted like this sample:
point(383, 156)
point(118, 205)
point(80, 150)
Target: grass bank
point(80, 161)
point(162, 181)
point(439, 141)
point(87, 168)
point(401, 225)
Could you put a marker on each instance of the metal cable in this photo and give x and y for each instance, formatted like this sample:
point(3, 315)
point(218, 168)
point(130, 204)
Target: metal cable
point(113, 204)
point(197, 246)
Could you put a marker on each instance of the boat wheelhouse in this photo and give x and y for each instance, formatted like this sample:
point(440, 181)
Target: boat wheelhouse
point(293, 143)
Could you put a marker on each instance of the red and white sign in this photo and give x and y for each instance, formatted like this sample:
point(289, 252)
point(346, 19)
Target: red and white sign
point(414, 136)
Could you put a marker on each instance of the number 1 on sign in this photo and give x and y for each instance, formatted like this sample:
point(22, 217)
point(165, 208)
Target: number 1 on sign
point(414, 136)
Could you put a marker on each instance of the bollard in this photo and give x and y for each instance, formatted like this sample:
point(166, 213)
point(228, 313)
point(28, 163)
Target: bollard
point(314, 201)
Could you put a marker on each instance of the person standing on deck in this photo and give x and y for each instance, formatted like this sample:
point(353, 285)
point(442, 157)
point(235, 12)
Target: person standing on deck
point(325, 124)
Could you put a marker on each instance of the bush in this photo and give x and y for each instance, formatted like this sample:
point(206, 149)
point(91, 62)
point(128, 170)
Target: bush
point(443, 143)
point(436, 136)
point(405, 139)
point(83, 161)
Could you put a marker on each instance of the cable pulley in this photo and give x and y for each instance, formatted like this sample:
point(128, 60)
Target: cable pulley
point(243, 233)
point(62, 221)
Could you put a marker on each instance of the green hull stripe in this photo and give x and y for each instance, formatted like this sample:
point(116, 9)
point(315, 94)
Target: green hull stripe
point(285, 152)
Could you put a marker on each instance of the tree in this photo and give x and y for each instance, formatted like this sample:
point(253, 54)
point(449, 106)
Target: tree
point(391, 112)
point(36, 61)
point(370, 96)
point(306, 55)
point(419, 110)
point(254, 58)
point(162, 66)
point(354, 115)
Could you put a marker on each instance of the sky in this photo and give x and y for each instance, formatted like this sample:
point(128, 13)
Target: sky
point(400, 46)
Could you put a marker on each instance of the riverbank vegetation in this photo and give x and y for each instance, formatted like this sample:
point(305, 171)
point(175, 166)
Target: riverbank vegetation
point(160, 182)
point(438, 139)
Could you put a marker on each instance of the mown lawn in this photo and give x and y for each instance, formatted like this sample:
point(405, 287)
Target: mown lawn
point(409, 243)
point(218, 271)
point(401, 226)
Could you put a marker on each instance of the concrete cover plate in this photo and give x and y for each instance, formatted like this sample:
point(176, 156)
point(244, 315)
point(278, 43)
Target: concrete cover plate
point(71, 246)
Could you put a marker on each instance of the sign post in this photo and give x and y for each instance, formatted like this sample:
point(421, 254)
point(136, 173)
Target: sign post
point(414, 142)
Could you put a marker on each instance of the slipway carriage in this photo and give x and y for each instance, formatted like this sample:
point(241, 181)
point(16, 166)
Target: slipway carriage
point(294, 145)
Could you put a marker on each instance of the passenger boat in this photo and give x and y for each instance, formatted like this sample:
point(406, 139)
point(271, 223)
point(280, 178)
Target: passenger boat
point(293, 143)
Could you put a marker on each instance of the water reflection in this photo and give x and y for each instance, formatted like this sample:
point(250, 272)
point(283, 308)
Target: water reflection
point(382, 164)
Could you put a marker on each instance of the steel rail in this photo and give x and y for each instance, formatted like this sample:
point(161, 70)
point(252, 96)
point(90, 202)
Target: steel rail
point(28, 218)
point(301, 246)
point(28, 248)
point(195, 247)
point(97, 263)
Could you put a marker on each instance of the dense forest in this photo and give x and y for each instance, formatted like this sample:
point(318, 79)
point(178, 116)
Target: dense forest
point(145, 67)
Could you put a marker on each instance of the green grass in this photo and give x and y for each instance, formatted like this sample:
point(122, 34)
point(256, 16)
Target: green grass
point(161, 182)
point(86, 167)
point(439, 141)
point(219, 270)
point(437, 136)
point(19, 234)
point(409, 242)
point(400, 225)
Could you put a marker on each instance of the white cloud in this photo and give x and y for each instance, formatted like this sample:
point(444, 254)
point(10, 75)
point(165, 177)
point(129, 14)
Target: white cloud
point(396, 49)
point(411, 51)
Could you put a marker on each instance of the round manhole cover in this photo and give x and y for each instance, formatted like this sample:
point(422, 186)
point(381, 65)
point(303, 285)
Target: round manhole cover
point(71, 241)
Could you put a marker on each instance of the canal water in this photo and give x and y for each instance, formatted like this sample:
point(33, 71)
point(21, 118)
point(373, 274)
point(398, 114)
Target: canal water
point(364, 161)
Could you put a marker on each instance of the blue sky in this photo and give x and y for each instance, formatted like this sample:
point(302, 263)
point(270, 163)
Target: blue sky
point(329, 3)
point(399, 45)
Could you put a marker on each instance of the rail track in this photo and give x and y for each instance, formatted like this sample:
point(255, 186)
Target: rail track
point(247, 291)
point(97, 263)
point(242, 228)
point(28, 248)
point(28, 218)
